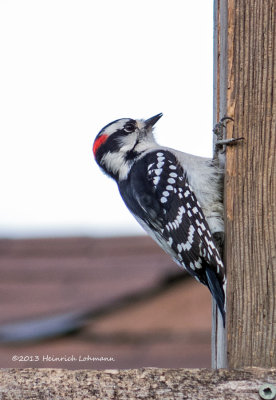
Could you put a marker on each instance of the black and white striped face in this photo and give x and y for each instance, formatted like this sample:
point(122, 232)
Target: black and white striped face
point(118, 144)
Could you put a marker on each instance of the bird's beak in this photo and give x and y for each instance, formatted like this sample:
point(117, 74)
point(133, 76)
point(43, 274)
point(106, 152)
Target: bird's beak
point(152, 121)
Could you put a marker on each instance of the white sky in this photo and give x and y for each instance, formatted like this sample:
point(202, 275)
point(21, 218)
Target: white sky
point(69, 67)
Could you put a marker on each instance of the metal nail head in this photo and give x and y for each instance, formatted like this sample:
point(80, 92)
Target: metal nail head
point(267, 391)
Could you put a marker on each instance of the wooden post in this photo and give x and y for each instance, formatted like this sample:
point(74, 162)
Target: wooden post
point(219, 340)
point(246, 91)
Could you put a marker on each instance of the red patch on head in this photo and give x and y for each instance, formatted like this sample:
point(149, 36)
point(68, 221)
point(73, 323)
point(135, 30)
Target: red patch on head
point(98, 142)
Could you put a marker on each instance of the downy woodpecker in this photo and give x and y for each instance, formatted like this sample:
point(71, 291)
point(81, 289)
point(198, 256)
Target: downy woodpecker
point(175, 196)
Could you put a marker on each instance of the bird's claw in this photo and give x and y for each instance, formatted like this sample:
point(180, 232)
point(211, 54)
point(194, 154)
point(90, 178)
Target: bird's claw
point(221, 142)
point(218, 128)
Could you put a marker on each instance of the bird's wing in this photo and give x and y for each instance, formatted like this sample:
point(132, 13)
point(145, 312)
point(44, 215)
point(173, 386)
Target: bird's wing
point(158, 193)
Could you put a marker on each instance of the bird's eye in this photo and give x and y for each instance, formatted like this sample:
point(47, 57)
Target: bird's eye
point(129, 128)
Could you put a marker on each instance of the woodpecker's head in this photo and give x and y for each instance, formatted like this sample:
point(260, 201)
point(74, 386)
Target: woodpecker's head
point(119, 143)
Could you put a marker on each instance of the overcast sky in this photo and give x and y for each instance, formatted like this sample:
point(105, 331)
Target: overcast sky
point(67, 69)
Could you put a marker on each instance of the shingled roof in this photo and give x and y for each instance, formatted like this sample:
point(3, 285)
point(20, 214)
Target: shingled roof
point(122, 299)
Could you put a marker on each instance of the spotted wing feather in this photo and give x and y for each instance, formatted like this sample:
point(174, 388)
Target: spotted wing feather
point(158, 193)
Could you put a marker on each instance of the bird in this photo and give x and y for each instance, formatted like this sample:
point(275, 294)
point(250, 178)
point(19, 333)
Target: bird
point(175, 196)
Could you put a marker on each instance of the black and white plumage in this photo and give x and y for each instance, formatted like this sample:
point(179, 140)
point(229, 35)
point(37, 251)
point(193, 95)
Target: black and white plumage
point(175, 196)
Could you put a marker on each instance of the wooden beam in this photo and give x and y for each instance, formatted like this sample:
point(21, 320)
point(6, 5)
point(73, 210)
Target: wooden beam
point(250, 189)
point(145, 383)
point(219, 338)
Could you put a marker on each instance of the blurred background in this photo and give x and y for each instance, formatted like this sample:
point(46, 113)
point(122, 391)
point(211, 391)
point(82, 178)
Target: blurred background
point(79, 278)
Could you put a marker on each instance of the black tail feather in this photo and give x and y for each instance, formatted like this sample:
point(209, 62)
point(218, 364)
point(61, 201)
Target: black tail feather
point(216, 289)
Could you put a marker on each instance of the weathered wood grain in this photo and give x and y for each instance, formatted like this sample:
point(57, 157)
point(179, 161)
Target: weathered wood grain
point(250, 184)
point(219, 339)
point(244, 89)
point(145, 383)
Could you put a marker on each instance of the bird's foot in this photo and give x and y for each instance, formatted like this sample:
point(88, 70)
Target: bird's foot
point(219, 127)
point(221, 143)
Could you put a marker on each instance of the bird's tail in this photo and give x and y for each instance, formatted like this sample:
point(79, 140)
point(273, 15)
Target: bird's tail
point(217, 291)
